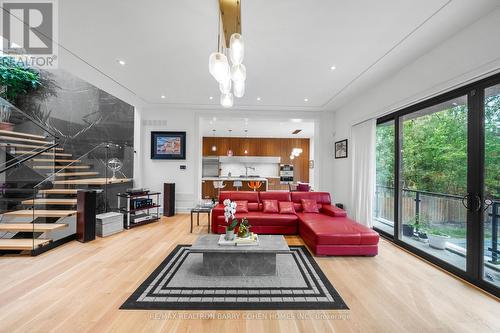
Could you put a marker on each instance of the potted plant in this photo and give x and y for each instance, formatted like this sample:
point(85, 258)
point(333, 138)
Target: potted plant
point(244, 228)
point(408, 230)
point(229, 215)
point(16, 79)
point(437, 239)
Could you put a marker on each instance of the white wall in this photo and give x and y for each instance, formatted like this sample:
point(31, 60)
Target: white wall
point(153, 173)
point(467, 56)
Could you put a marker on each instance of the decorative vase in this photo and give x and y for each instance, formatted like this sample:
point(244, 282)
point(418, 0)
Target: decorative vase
point(242, 231)
point(229, 235)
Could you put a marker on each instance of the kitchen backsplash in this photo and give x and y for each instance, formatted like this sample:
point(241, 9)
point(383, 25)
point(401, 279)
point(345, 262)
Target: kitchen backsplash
point(261, 169)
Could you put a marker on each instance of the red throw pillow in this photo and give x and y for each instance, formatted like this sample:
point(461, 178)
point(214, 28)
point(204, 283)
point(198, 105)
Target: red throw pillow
point(241, 206)
point(286, 207)
point(309, 206)
point(270, 206)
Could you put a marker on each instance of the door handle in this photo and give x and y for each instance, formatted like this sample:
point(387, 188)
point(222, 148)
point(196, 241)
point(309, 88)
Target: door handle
point(467, 201)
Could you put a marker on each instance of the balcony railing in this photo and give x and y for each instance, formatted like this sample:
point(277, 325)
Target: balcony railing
point(438, 210)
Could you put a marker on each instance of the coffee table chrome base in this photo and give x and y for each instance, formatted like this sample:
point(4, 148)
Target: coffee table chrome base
point(239, 264)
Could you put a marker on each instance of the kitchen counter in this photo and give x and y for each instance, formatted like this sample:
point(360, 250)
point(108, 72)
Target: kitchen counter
point(244, 179)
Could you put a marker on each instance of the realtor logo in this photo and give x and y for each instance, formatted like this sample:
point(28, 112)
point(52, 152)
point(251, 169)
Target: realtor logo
point(28, 31)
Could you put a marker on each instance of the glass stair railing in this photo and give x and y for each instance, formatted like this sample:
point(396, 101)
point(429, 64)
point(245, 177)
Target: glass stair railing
point(47, 217)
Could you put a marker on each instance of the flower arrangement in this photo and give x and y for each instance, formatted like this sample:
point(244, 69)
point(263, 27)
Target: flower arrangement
point(229, 215)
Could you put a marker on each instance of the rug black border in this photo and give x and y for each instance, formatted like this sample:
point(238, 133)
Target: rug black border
point(131, 304)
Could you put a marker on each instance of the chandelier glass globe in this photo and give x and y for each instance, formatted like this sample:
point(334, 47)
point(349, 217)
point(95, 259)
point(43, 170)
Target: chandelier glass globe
point(236, 49)
point(238, 73)
point(226, 100)
point(225, 86)
point(239, 89)
point(218, 66)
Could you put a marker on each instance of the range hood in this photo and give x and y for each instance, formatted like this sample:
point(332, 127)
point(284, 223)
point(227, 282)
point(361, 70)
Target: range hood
point(250, 159)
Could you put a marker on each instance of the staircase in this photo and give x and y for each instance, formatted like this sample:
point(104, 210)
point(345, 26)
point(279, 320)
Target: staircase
point(38, 186)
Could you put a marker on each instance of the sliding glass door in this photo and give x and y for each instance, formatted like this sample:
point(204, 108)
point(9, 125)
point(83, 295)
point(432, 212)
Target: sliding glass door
point(438, 181)
point(383, 217)
point(433, 180)
point(491, 217)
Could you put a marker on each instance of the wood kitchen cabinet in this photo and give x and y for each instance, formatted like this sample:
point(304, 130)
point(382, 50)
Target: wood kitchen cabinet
point(207, 189)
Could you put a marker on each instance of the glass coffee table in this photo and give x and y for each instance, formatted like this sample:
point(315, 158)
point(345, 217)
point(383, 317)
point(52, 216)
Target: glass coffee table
point(240, 260)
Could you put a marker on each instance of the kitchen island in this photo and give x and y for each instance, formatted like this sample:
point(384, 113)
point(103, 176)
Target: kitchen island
point(208, 191)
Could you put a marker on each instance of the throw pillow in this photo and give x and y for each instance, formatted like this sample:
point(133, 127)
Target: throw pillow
point(241, 206)
point(286, 207)
point(270, 206)
point(309, 206)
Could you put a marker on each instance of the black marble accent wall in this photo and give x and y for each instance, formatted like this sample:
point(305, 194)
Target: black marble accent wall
point(83, 116)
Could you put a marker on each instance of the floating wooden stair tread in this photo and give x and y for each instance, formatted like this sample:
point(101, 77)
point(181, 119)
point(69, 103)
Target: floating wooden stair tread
point(11, 138)
point(60, 167)
point(70, 174)
point(31, 227)
point(93, 181)
point(19, 145)
point(58, 191)
point(26, 135)
point(24, 152)
point(47, 160)
point(41, 213)
point(22, 243)
point(49, 202)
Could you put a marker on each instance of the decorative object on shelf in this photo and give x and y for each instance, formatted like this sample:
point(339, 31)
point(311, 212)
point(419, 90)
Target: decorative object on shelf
point(168, 145)
point(114, 165)
point(229, 75)
point(341, 149)
point(229, 214)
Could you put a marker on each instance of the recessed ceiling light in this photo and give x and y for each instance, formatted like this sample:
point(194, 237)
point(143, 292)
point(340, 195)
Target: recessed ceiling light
point(332, 68)
point(296, 120)
point(258, 98)
point(306, 99)
point(211, 98)
point(455, 104)
point(121, 62)
point(163, 97)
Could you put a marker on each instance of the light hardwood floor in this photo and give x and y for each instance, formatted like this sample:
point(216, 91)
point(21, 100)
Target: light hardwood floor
point(79, 288)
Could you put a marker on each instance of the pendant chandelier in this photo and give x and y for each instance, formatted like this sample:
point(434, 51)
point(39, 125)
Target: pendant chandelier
point(230, 73)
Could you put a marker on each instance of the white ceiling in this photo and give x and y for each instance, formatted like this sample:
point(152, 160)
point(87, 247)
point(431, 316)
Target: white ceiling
point(290, 46)
point(256, 127)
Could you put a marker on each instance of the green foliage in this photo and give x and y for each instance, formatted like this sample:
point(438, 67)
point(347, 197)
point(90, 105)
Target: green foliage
point(232, 225)
point(434, 156)
point(17, 79)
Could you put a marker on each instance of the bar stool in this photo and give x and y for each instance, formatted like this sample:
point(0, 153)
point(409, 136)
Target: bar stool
point(254, 185)
point(237, 184)
point(218, 185)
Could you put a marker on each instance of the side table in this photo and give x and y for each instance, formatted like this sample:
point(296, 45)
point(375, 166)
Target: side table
point(201, 209)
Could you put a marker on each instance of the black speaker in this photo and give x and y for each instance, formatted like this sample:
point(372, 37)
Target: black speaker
point(85, 215)
point(168, 199)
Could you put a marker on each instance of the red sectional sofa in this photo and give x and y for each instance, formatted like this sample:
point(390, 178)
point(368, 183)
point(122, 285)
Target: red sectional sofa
point(328, 232)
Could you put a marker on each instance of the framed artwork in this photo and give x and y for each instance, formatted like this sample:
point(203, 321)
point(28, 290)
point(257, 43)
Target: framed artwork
point(168, 145)
point(341, 149)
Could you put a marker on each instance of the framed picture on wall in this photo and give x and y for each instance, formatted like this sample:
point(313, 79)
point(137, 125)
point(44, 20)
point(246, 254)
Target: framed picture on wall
point(341, 149)
point(168, 145)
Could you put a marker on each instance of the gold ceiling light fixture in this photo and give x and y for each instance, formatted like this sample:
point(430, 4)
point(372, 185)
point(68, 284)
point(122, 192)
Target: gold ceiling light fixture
point(230, 74)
